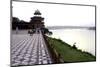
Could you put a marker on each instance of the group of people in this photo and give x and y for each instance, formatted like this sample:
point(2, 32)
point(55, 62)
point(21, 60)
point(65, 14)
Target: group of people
point(32, 31)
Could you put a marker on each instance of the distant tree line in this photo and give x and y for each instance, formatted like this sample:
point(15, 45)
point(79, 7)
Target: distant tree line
point(20, 24)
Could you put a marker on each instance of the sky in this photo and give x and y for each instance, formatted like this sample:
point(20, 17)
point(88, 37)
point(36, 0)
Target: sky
point(56, 14)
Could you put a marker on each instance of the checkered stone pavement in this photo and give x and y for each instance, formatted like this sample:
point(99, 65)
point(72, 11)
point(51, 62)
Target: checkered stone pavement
point(29, 50)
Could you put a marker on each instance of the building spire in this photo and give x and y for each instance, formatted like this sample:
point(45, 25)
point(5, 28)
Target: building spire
point(37, 12)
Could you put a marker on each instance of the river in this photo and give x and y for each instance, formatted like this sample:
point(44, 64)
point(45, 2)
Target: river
point(84, 38)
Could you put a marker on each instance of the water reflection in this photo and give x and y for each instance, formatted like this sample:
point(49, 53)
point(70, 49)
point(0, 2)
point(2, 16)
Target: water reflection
point(84, 39)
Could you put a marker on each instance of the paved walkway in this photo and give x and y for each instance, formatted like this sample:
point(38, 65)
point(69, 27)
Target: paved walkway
point(29, 50)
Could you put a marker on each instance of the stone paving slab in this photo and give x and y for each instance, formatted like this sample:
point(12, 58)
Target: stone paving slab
point(29, 50)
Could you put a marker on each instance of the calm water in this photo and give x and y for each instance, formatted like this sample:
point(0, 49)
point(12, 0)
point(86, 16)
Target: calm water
point(85, 39)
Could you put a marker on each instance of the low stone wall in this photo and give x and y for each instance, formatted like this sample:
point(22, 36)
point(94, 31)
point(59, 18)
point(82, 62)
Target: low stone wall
point(54, 54)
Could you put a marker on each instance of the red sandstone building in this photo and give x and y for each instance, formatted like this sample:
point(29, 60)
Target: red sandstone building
point(37, 20)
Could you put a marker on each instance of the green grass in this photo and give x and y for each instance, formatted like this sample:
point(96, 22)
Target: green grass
point(68, 53)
